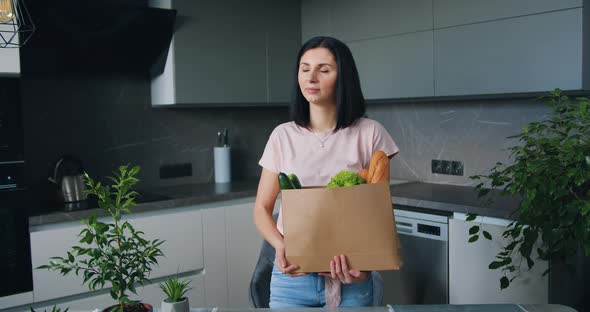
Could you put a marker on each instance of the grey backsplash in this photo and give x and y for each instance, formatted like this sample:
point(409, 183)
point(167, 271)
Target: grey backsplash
point(473, 132)
point(108, 121)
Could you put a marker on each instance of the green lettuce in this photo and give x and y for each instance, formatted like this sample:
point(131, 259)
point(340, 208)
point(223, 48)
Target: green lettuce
point(345, 178)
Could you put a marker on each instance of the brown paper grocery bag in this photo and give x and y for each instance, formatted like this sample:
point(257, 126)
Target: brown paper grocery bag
point(356, 221)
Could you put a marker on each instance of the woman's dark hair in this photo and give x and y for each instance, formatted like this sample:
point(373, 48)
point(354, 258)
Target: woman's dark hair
point(350, 103)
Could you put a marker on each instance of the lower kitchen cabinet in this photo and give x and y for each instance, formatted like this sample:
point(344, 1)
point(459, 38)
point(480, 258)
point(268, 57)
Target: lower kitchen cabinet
point(243, 248)
point(470, 279)
point(181, 228)
point(150, 293)
point(232, 245)
point(50, 241)
point(16, 300)
point(216, 244)
point(85, 302)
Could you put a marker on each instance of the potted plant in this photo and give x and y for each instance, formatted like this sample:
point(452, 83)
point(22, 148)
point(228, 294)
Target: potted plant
point(175, 290)
point(551, 175)
point(113, 254)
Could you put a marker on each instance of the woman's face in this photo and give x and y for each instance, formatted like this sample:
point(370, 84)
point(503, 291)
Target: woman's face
point(317, 76)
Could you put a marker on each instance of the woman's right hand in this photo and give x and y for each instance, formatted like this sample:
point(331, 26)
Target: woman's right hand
point(283, 265)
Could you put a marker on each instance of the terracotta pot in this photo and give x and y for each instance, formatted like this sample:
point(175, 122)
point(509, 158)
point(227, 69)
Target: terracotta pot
point(146, 305)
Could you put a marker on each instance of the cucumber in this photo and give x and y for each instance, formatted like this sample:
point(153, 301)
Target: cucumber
point(284, 182)
point(295, 180)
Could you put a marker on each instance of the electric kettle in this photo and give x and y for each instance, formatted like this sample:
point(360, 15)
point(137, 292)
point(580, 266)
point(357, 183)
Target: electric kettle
point(69, 178)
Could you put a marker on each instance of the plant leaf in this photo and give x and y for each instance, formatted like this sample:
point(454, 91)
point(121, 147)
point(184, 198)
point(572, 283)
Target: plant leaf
point(495, 265)
point(504, 282)
point(471, 217)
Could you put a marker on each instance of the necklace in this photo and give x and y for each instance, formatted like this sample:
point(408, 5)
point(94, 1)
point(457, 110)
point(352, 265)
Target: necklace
point(322, 142)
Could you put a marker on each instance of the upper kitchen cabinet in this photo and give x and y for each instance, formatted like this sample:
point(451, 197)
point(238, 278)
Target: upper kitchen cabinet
point(350, 20)
point(226, 53)
point(358, 20)
point(460, 12)
point(396, 66)
point(532, 53)
point(430, 48)
point(315, 19)
point(283, 43)
point(391, 42)
point(9, 62)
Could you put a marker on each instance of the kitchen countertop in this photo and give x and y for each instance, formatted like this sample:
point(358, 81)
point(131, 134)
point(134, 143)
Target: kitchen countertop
point(453, 198)
point(438, 197)
point(163, 198)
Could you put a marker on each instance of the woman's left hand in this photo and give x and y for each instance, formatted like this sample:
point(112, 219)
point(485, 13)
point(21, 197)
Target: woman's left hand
point(339, 270)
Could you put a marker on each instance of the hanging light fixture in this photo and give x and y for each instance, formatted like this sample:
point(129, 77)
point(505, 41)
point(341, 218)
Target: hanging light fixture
point(16, 26)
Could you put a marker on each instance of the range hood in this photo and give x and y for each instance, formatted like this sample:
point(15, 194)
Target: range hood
point(98, 36)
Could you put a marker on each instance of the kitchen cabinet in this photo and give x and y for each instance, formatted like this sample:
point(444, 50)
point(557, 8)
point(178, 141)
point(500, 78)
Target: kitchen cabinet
point(85, 302)
point(229, 52)
point(150, 293)
point(243, 247)
point(316, 19)
point(353, 20)
point(413, 49)
point(460, 12)
point(395, 67)
point(181, 255)
point(216, 277)
point(527, 54)
point(232, 245)
point(283, 43)
point(49, 242)
point(470, 280)
point(216, 245)
point(16, 300)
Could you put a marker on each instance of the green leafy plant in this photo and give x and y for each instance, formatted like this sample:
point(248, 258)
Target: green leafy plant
point(53, 309)
point(175, 289)
point(551, 174)
point(114, 254)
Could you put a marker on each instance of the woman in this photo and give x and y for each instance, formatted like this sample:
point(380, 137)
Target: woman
point(328, 134)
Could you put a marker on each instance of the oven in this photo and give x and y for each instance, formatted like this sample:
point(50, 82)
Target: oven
point(15, 265)
point(15, 247)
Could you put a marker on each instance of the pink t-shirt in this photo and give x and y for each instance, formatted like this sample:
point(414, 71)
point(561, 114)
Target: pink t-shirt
point(316, 158)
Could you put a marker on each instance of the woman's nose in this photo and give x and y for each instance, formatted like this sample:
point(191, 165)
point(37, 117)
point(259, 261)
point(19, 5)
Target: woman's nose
point(313, 76)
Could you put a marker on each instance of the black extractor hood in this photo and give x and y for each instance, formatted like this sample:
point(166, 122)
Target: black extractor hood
point(97, 37)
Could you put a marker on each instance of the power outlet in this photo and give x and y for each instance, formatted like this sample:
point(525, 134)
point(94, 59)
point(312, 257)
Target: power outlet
point(452, 167)
point(176, 170)
point(446, 167)
point(436, 166)
point(456, 168)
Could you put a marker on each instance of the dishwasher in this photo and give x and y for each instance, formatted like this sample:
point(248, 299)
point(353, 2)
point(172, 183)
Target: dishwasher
point(424, 275)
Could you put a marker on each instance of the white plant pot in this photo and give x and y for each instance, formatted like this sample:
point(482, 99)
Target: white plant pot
point(180, 306)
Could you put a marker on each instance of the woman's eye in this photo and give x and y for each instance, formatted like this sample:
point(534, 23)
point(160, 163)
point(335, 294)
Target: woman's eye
point(324, 71)
point(305, 70)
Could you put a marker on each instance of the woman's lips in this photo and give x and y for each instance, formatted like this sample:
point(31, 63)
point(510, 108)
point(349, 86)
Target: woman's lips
point(312, 90)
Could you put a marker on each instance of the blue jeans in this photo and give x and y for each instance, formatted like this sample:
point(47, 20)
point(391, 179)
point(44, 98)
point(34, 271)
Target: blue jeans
point(308, 291)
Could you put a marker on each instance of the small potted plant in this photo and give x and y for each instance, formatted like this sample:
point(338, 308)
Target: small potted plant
point(175, 290)
point(114, 254)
